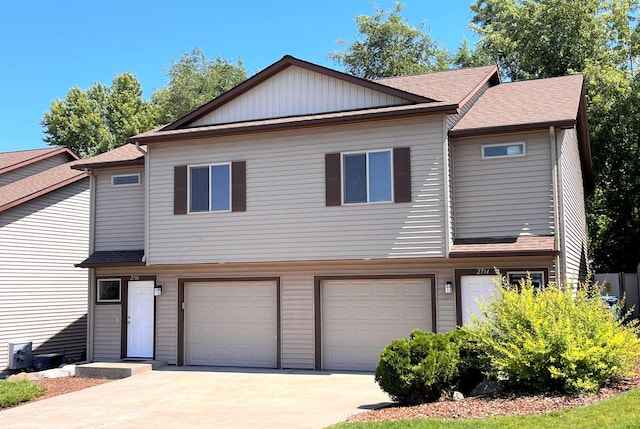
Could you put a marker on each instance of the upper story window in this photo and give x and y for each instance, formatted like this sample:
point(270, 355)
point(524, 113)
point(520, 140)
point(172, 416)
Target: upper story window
point(210, 188)
point(367, 177)
point(503, 150)
point(125, 179)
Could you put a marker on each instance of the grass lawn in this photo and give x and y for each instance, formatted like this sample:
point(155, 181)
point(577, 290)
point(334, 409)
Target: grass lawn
point(620, 412)
point(14, 392)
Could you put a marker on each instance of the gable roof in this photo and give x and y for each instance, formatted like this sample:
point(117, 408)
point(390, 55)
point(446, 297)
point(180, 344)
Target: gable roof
point(31, 187)
point(416, 90)
point(276, 68)
point(10, 161)
point(450, 86)
point(125, 155)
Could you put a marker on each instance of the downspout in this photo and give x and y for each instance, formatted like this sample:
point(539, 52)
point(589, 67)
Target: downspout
point(91, 273)
point(146, 203)
point(557, 201)
point(447, 189)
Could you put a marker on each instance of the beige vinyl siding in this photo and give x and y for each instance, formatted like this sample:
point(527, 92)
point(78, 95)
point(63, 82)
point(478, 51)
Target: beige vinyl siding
point(107, 332)
point(296, 297)
point(119, 218)
point(573, 210)
point(286, 217)
point(34, 168)
point(297, 91)
point(43, 297)
point(505, 197)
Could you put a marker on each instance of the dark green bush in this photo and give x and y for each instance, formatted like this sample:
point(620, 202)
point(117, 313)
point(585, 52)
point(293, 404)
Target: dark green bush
point(554, 339)
point(419, 368)
point(472, 364)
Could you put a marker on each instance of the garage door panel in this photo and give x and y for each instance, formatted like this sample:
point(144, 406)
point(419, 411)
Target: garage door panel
point(231, 324)
point(361, 317)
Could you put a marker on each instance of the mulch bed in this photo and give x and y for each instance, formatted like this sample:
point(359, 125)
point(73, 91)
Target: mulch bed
point(505, 404)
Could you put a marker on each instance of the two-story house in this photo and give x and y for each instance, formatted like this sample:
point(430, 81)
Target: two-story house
point(306, 217)
point(44, 221)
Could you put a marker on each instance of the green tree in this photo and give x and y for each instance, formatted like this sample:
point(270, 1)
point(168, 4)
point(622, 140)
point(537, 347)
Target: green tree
point(466, 56)
point(100, 118)
point(194, 81)
point(600, 38)
point(390, 47)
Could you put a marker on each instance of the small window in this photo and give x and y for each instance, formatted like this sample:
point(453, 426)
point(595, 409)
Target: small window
point(108, 290)
point(537, 278)
point(210, 188)
point(367, 177)
point(125, 180)
point(503, 150)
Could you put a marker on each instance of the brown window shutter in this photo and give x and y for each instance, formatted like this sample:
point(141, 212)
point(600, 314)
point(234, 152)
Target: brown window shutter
point(239, 186)
point(333, 193)
point(180, 190)
point(402, 175)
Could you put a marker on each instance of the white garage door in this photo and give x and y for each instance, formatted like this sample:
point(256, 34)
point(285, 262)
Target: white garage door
point(475, 289)
point(231, 324)
point(361, 317)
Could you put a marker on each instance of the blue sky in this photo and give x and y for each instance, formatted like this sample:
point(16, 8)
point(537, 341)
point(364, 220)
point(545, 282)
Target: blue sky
point(48, 47)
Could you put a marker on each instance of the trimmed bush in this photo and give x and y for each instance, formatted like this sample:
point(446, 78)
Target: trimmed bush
point(419, 368)
point(14, 392)
point(554, 339)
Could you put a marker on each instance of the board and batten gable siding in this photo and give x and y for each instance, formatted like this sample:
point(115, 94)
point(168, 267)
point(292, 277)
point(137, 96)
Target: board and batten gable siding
point(503, 197)
point(297, 91)
point(119, 217)
point(573, 208)
point(34, 168)
point(453, 119)
point(286, 217)
point(43, 296)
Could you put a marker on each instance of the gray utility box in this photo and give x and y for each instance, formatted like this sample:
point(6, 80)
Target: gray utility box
point(20, 355)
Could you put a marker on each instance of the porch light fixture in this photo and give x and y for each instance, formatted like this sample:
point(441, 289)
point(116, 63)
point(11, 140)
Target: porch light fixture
point(448, 287)
point(157, 289)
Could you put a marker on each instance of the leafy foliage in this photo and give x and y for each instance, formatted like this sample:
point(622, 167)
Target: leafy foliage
point(390, 47)
point(194, 81)
point(14, 392)
point(417, 369)
point(551, 339)
point(100, 118)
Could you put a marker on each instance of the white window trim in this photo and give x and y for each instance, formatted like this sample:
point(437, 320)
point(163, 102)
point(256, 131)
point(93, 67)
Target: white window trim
point(365, 152)
point(108, 280)
point(189, 167)
point(524, 150)
point(125, 184)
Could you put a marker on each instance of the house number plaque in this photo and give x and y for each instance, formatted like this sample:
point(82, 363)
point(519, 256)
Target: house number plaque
point(483, 271)
point(134, 277)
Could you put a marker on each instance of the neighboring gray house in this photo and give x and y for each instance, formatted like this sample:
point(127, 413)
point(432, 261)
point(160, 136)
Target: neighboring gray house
point(306, 217)
point(44, 220)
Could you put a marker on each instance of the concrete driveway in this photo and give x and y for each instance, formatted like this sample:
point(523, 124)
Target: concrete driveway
point(202, 397)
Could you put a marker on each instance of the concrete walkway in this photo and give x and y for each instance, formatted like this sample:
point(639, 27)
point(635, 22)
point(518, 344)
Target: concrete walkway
point(200, 397)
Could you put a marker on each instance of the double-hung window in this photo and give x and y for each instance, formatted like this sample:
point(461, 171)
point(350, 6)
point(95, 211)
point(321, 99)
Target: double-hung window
point(367, 177)
point(210, 188)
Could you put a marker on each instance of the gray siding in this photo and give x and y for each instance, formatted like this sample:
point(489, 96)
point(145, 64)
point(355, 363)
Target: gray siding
point(31, 169)
point(107, 332)
point(573, 211)
point(297, 91)
point(43, 297)
point(286, 217)
point(119, 221)
point(504, 197)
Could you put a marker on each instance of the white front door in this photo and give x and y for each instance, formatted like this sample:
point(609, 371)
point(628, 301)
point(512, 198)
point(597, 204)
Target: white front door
point(474, 290)
point(140, 319)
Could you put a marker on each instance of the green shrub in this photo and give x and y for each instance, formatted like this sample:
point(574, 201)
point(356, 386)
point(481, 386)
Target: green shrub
point(419, 368)
point(472, 364)
point(14, 392)
point(554, 339)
